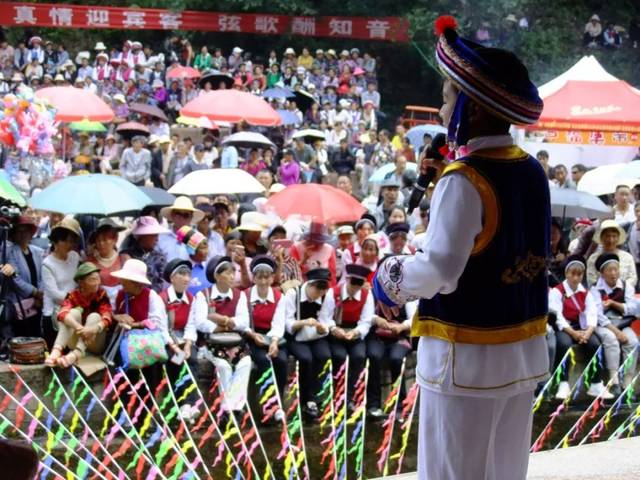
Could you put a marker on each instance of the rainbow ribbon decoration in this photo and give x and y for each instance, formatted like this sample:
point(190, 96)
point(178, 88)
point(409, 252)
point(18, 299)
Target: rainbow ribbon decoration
point(45, 466)
point(232, 430)
point(391, 409)
point(327, 418)
point(57, 440)
point(340, 406)
point(603, 423)
point(270, 402)
point(295, 432)
point(357, 420)
point(567, 363)
point(584, 379)
point(591, 412)
point(408, 409)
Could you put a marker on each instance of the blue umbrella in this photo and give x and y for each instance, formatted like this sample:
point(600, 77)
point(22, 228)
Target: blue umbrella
point(416, 133)
point(277, 92)
point(288, 118)
point(380, 174)
point(97, 194)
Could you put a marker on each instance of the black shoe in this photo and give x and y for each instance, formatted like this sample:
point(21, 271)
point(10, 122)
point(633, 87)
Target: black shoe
point(615, 390)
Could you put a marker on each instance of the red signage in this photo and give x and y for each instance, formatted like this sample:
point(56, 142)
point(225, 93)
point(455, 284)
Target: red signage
point(395, 29)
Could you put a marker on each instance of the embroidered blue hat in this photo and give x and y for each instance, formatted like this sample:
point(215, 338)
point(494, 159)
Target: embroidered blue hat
point(493, 77)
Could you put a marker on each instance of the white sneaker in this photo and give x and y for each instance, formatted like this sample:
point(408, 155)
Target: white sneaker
point(185, 413)
point(563, 391)
point(195, 414)
point(279, 415)
point(599, 390)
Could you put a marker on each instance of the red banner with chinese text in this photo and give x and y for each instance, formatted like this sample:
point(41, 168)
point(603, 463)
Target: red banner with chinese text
point(18, 14)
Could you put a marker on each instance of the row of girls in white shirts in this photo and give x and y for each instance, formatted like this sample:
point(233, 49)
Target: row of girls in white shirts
point(304, 317)
point(594, 317)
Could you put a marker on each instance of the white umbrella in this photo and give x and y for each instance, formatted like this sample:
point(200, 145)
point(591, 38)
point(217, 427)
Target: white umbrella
point(218, 181)
point(248, 140)
point(603, 180)
point(568, 203)
point(310, 134)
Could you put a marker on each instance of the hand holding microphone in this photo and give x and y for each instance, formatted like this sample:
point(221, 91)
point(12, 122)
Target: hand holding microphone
point(431, 164)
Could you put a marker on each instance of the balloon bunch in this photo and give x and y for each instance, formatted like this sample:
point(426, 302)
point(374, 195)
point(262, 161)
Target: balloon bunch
point(27, 123)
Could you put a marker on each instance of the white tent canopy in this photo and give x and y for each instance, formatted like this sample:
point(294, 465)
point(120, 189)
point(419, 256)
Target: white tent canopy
point(587, 68)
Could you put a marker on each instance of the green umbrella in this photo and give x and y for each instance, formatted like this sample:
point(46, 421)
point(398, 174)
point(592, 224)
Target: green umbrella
point(10, 193)
point(87, 126)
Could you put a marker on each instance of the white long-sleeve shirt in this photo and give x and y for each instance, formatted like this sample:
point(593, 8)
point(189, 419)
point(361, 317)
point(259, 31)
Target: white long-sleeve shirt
point(240, 316)
point(458, 368)
point(57, 280)
point(366, 315)
point(325, 314)
point(197, 320)
point(588, 317)
point(630, 302)
point(277, 323)
point(158, 315)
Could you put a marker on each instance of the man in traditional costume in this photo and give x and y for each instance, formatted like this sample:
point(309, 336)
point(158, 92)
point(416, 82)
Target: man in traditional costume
point(480, 276)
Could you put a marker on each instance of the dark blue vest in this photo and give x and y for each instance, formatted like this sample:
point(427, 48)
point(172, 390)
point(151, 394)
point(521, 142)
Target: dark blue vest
point(502, 294)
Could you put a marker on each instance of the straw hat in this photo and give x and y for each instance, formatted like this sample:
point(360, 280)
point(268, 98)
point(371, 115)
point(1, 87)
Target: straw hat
point(118, 97)
point(610, 224)
point(100, 46)
point(58, 78)
point(183, 204)
point(254, 222)
point(81, 55)
point(69, 223)
point(133, 270)
point(147, 225)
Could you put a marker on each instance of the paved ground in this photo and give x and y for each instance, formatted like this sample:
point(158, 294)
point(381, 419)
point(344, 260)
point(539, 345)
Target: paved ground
point(615, 460)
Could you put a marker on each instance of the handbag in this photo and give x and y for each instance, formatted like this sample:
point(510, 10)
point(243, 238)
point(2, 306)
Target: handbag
point(306, 333)
point(25, 308)
point(140, 348)
point(223, 339)
point(27, 350)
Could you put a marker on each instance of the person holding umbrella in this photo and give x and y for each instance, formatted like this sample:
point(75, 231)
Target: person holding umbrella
point(315, 251)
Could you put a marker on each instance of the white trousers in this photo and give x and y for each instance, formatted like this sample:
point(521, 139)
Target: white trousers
point(474, 438)
point(612, 347)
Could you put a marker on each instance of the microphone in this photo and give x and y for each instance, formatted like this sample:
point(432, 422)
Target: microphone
point(436, 151)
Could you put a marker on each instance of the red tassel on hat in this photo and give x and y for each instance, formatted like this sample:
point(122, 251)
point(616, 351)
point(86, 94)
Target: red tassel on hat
point(444, 23)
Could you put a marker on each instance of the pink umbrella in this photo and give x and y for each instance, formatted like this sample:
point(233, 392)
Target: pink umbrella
point(181, 72)
point(74, 104)
point(322, 203)
point(232, 106)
